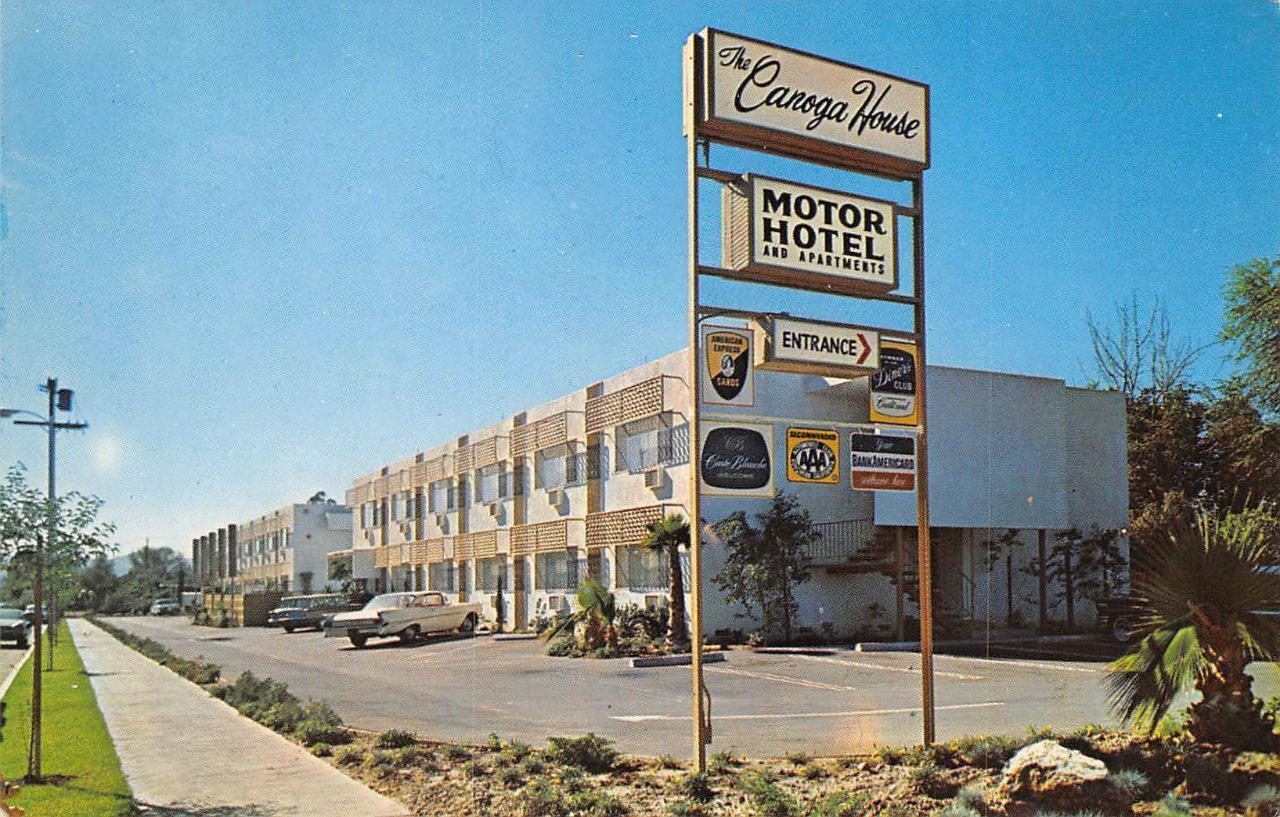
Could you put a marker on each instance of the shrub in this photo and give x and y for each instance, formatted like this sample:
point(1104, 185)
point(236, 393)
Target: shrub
point(562, 647)
point(320, 724)
point(1264, 801)
point(646, 624)
point(395, 739)
point(511, 776)
point(888, 755)
point(456, 753)
point(841, 804)
point(927, 778)
point(1131, 783)
point(683, 808)
point(590, 752)
point(798, 758)
point(542, 799)
point(1172, 805)
point(532, 766)
point(723, 763)
point(987, 751)
point(474, 769)
point(695, 787)
point(767, 799)
point(956, 809)
point(515, 751)
point(971, 797)
point(321, 750)
point(812, 771)
point(592, 803)
point(669, 762)
point(282, 716)
point(1171, 725)
point(348, 756)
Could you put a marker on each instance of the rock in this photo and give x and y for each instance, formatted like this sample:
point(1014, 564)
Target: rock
point(1048, 772)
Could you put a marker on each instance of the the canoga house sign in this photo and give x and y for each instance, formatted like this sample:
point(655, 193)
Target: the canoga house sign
point(764, 96)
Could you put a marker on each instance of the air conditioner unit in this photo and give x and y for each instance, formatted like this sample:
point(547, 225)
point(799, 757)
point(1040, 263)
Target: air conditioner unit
point(653, 601)
point(555, 496)
point(440, 518)
point(653, 478)
point(495, 509)
point(404, 528)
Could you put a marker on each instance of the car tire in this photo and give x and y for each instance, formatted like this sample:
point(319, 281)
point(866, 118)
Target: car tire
point(358, 640)
point(410, 634)
point(289, 628)
point(468, 624)
point(23, 643)
point(1121, 631)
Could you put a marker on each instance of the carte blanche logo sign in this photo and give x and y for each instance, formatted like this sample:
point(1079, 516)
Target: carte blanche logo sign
point(893, 386)
point(810, 236)
point(882, 459)
point(736, 459)
point(761, 85)
point(727, 377)
point(813, 455)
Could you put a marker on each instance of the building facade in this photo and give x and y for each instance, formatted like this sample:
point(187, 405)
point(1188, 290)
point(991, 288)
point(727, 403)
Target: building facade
point(538, 501)
point(285, 550)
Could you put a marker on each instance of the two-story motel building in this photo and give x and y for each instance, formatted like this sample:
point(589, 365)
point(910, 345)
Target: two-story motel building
point(564, 490)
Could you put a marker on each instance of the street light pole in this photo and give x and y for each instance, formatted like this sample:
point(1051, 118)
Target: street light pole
point(57, 400)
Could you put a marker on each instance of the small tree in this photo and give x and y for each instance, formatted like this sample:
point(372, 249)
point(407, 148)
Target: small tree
point(304, 582)
point(1252, 325)
point(763, 564)
point(668, 535)
point(995, 551)
point(1088, 567)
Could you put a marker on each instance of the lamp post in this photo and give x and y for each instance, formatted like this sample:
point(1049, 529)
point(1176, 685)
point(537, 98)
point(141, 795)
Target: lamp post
point(59, 400)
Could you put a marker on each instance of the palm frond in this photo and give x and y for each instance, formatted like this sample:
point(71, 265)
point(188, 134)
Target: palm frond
point(1142, 684)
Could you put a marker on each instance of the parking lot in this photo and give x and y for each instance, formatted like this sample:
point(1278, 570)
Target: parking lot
point(762, 704)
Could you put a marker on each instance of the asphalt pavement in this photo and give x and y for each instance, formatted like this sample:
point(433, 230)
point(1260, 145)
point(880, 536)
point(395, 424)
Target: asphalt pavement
point(465, 689)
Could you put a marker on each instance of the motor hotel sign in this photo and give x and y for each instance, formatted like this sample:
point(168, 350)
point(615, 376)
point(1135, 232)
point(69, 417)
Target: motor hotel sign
point(787, 233)
point(814, 108)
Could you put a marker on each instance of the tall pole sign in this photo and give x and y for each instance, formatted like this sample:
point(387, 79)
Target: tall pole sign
point(750, 94)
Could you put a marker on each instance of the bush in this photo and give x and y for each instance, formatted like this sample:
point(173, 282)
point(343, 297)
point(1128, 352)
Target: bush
point(647, 624)
point(1264, 801)
point(320, 724)
point(1131, 783)
point(987, 751)
point(767, 799)
point(841, 804)
point(515, 751)
point(669, 762)
point(971, 798)
point(474, 769)
point(683, 808)
point(928, 779)
point(321, 750)
point(695, 787)
point(348, 756)
point(723, 763)
point(542, 799)
point(532, 766)
point(456, 753)
point(1172, 805)
point(590, 752)
point(956, 809)
point(282, 716)
point(511, 776)
point(562, 647)
point(798, 758)
point(593, 803)
point(395, 739)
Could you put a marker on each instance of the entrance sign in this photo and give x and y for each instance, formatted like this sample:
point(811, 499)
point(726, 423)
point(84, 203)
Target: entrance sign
point(736, 459)
point(813, 347)
point(893, 386)
point(882, 459)
point(796, 235)
point(727, 364)
point(759, 95)
point(813, 455)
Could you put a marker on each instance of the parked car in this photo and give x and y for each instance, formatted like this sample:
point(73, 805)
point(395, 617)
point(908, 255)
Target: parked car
point(410, 616)
point(165, 607)
point(299, 612)
point(30, 613)
point(15, 626)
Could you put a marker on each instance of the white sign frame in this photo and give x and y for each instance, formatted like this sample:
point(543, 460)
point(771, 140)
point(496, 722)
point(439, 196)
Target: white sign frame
point(746, 396)
point(766, 430)
point(884, 470)
point(778, 353)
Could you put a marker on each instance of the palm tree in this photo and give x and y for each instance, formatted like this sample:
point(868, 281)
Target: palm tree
point(667, 535)
point(1197, 602)
point(597, 612)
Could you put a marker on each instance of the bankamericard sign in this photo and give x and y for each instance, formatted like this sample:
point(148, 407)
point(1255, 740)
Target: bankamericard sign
point(756, 93)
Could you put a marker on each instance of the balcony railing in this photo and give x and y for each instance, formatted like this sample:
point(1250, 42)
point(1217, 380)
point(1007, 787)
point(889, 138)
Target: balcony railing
point(841, 541)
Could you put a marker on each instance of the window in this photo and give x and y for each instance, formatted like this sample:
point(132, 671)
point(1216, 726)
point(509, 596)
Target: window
point(491, 484)
point(650, 442)
point(642, 569)
point(441, 498)
point(558, 466)
point(555, 571)
point(489, 570)
point(399, 507)
point(366, 515)
point(440, 576)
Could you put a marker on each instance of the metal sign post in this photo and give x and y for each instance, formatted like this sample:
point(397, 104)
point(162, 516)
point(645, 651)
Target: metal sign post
point(762, 97)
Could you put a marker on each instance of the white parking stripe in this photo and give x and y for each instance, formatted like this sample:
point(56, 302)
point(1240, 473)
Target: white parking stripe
point(852, 713)
point(909, 670)
point(1014, 662)
point(782, 679)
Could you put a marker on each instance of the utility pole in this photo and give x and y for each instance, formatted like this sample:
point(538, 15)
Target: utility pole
point(59, 400)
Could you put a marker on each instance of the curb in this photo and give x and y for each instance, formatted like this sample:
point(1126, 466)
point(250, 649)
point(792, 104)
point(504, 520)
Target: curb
point(674, 660)
point(13, 673)
point(914, 646)
point(795, 650)
point(515, 637)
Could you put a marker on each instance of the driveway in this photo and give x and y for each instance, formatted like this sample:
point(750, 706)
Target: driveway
point(762, 704)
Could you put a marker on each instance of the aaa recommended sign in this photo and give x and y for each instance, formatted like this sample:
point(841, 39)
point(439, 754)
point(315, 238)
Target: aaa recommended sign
point(736, 459)
point(813, 455)
point(882, 460)
point(893, 386)
point(727, 377)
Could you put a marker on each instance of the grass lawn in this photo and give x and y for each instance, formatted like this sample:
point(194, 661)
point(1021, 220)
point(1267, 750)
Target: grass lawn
point(79, 759)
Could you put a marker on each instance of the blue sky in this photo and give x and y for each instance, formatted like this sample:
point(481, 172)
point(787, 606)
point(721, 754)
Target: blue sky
point(275, 245)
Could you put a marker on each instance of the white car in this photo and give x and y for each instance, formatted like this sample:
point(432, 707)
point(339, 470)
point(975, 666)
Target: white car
point(409, 615)
point(161, 607)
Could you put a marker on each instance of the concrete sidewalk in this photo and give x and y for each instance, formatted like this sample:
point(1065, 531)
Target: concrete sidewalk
point(187, 753)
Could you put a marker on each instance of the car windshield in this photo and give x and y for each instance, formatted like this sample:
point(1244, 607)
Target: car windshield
point(384, 601)
point(10, 612)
